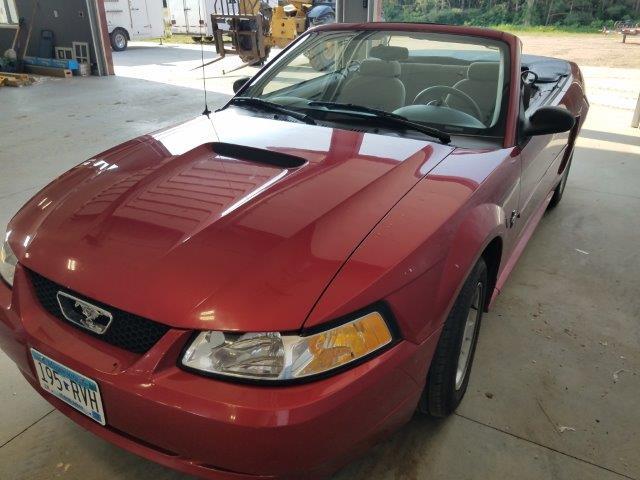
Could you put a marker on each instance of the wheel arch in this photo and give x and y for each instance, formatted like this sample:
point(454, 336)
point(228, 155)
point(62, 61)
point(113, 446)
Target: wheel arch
point(479, 235)
point(492, 256)
point(122, 29)
point(571, 143)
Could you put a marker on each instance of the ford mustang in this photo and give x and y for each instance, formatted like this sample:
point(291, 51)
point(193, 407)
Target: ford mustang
point(269, 289)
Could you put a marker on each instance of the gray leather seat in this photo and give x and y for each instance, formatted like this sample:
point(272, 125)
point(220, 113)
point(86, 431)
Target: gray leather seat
point(481, 84)
point(375, 85)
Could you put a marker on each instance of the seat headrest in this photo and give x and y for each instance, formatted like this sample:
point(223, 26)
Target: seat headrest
point(483, 71)
point(379, 68)
point(384, 52)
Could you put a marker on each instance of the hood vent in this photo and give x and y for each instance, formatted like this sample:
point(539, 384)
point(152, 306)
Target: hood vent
point(258, 155)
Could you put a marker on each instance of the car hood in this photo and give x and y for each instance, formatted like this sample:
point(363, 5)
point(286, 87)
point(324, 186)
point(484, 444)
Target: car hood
point(166, 228)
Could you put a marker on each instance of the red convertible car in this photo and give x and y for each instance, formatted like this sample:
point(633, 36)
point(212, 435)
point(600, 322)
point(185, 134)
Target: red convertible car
point(268, 290)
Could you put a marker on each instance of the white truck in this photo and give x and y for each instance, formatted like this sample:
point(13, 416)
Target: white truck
point(133, 20)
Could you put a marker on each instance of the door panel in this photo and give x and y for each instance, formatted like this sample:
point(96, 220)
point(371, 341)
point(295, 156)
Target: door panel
point(140, 24)
point(192, 11)
point(541, 158)
point(118, 14)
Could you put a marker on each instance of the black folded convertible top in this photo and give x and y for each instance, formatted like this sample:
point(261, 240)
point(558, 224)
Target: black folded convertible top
point(549, 70)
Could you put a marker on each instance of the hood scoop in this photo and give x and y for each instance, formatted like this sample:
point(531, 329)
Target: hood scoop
point(257, 155)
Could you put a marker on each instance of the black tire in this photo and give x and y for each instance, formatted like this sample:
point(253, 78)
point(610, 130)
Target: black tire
point(559, 191)
point(119, 40)
point(445, 387)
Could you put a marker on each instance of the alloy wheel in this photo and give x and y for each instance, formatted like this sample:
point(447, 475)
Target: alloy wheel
point(470, 332)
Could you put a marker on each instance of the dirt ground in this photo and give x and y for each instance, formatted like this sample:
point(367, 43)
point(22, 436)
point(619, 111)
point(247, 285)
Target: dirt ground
point(597, 50)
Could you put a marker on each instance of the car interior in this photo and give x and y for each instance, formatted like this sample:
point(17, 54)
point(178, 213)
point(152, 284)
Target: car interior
point(389, 80)
point(454, 84)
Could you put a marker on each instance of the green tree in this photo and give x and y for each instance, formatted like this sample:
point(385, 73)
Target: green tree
point(575, 13)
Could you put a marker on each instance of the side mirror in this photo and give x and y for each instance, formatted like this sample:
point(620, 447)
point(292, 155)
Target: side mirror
point(547, 120)
point(239, 83)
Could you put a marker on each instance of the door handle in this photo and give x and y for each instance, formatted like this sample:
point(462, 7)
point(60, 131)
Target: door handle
point(515, 214)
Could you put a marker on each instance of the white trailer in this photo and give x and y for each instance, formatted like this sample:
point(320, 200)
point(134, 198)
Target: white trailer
point(193, 17)
point(133, 20)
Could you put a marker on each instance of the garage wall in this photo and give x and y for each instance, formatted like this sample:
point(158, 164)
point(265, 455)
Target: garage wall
point(68, 19)
point(352, 11)
point(357, 11)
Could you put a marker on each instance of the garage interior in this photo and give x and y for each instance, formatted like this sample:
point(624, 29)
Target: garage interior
point(556, 380)
point(36, 30)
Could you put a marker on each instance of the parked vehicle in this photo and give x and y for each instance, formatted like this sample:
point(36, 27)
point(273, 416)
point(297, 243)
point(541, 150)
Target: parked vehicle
point(191, 17)
point(269, 289)
point(255, 26)
point(133, 20)
point(322, 12)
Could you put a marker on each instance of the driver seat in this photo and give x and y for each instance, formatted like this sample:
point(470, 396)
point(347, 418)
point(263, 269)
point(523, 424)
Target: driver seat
point(481, 84)
point(376, 84)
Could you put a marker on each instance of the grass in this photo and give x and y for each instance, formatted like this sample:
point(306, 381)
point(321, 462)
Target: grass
point(544, 30)
point(181, 39)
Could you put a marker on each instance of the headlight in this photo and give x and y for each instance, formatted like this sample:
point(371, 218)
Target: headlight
point(8, 262)
point(276, 357)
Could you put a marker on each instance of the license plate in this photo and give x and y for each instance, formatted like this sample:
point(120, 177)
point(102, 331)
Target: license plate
point(75, 389)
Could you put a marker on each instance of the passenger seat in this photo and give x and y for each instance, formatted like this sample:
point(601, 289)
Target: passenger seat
point(375, 85)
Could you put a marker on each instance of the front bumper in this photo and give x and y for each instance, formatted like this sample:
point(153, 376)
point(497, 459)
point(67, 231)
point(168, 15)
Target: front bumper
point(212, 428)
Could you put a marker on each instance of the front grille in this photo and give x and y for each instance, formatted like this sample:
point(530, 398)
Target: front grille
point(127, 331)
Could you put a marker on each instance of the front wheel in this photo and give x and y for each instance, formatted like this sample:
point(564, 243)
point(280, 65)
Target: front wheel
point(451, 364)
point(119, 40)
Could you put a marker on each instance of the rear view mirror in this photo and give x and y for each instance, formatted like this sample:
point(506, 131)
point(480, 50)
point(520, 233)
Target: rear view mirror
point(239, 83)
point(547, 120)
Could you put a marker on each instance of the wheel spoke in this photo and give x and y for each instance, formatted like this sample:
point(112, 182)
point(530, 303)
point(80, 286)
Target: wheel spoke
point(468, 336)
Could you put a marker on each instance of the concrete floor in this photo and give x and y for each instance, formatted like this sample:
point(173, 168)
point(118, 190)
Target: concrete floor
point(566, 321)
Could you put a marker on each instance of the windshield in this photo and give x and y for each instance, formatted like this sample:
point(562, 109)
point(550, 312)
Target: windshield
point(456, 83)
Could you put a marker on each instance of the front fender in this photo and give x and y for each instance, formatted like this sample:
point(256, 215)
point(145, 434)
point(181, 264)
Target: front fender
point(417, 258)
point(417, 267)
point(481, 225)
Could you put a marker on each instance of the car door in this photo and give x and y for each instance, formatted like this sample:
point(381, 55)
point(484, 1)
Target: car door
point(540, 160)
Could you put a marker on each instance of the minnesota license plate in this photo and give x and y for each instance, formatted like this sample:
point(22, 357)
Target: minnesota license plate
point(75, 389)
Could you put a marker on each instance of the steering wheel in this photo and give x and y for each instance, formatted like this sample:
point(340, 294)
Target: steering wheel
point(528, 77)
point(436, 95)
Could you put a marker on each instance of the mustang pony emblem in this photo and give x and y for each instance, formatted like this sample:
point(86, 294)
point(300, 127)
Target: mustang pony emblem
point(90, 312)
point(84, 314)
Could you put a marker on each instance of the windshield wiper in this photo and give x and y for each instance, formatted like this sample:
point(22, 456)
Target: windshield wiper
point(390, 118)
point(272, 107)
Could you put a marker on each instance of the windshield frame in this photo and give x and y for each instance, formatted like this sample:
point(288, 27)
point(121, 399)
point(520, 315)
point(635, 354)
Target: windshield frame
point(509, 45)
